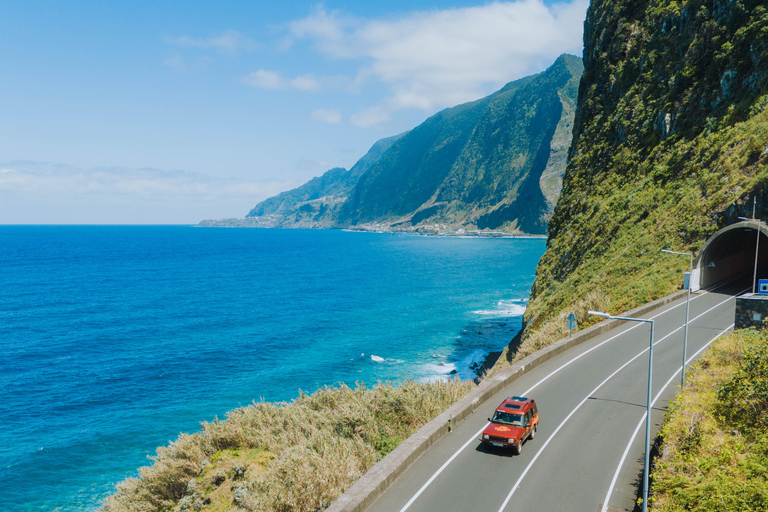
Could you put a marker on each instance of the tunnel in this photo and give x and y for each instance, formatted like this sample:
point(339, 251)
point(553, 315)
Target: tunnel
point(729, 254)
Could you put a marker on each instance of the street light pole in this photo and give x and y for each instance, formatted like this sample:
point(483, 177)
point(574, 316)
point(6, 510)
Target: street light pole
point(647, 401)
point(687, 307)
point(757, 243)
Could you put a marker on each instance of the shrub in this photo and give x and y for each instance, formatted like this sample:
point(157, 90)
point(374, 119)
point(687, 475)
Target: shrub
point(286, 457)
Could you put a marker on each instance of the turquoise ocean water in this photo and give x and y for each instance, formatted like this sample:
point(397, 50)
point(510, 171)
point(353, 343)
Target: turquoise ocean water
point(116, 338)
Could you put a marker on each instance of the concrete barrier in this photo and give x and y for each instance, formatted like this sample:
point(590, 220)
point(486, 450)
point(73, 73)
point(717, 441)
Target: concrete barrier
point(376, 480)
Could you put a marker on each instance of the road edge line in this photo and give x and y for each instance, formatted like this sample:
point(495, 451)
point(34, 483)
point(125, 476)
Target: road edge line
point(367, 489)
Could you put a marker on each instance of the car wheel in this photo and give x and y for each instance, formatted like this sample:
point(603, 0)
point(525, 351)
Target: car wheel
point(519, 447)
point(533, 432)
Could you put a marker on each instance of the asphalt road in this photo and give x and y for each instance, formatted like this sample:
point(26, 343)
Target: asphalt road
point(589, 448)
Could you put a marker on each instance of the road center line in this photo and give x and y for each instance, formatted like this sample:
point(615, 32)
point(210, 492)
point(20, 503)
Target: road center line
point(634, 326)
point(475, 436)
point(552, 436)
point(642, 419)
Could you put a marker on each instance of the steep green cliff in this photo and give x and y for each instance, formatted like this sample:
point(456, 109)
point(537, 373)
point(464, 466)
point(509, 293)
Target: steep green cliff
point(496, 163)
point(316, 203)
point(670, 143)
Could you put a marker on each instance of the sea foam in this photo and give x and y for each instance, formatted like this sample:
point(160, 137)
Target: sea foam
point(505, 308)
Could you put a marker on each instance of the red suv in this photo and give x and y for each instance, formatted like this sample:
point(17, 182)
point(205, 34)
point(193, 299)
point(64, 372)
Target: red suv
point(514, 421)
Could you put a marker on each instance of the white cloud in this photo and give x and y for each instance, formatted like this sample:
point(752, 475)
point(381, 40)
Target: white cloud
point(179, 64)
point(304, 83)
point(265, 79)
point(229, 42)
point(435, 59)
point(370, 117)
point(38, 192)
point(329, 30)
point(322, 115)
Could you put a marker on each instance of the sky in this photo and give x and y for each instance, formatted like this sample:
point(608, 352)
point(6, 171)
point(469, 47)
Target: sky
point(171, 112)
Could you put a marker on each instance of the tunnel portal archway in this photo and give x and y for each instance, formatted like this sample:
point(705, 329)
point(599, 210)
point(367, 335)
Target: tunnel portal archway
point(730, 254)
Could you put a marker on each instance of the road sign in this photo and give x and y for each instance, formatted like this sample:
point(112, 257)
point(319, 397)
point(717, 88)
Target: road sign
point(571, 323)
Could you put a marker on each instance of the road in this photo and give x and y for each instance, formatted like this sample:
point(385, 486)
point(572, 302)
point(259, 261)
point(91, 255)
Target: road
point(588, 451)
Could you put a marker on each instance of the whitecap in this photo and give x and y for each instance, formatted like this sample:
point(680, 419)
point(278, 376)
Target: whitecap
point(438, 368)
point(378, 359)
point(505, 308)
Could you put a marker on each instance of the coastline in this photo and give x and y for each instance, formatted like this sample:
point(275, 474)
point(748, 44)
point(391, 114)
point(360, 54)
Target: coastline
point(274, 221)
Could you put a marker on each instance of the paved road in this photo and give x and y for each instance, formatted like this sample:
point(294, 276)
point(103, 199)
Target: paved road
point(589, 447)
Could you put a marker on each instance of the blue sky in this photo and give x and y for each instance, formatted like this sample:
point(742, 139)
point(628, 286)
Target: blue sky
point(173, 112)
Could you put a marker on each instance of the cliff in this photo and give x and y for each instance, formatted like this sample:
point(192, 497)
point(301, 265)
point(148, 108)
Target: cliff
point(493, 164)
point(670, 143)
point(316, 203)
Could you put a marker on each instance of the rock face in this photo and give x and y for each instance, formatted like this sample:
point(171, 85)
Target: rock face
point(316, 203)
point(669, 145)
point(493, 164)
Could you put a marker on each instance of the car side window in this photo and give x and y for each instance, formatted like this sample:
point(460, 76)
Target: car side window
point(535, 410)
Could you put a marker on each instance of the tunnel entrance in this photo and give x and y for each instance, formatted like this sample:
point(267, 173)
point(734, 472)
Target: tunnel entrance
point(730, 254)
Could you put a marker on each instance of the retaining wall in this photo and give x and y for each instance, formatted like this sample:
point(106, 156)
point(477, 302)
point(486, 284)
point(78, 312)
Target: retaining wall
point(376, 480)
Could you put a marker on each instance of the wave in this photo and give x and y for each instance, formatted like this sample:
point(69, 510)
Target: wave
point(505, 308)
point(378, 359)
point(437, 371)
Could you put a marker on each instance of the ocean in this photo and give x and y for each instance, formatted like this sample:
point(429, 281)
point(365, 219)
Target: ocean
point(114, 339)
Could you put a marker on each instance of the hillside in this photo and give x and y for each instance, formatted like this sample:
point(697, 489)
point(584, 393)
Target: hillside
point(495, 163)
point(315, 204)
point(714, 438)
point(670, 143)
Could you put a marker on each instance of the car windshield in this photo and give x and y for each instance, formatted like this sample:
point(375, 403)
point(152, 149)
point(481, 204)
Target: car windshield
point(508, 418)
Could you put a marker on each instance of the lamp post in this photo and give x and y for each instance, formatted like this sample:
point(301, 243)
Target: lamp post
point(757, 243)
point(647, 402)
point(687, 308)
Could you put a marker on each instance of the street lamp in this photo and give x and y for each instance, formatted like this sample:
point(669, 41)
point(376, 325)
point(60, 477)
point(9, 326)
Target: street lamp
point(687, 307)
point(647, 402)
point(757, 246)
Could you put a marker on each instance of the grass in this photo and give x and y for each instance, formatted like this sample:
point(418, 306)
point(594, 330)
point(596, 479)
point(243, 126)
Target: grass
point(633, 187)
point(297, 456)
point(714, 452)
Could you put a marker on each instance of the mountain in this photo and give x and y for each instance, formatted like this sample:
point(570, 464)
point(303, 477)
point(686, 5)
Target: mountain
point(316, 203)
point(492, 164)
point(670, 144)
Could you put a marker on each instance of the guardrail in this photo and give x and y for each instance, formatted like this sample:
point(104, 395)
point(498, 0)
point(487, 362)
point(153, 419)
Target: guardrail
point(376, 480)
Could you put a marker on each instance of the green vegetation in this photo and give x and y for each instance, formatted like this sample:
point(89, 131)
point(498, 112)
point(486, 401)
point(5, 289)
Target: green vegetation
point(496, 163)
point(316, 203)
point(296, 456)
point(714, 455)
point(670, 144)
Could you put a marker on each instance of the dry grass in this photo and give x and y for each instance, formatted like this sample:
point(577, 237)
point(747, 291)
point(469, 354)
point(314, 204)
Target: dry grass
point(296, 456)
point(554, 329)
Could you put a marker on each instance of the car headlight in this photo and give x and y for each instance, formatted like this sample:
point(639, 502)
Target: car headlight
point(512, 440)
point(486, 436)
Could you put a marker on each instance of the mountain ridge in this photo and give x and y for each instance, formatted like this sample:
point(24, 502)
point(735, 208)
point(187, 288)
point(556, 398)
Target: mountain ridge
point(454, 171)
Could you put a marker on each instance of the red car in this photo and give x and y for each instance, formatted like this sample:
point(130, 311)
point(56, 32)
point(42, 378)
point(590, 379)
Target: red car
point(514, 421)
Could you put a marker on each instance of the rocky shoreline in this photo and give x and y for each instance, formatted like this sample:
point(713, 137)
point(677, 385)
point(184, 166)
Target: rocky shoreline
point(272, 221)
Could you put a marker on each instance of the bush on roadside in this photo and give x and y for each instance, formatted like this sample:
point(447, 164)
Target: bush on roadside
point(285, 457)
point(714, 455)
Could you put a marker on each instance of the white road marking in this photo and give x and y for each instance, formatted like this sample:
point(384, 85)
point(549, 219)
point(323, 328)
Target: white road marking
point(480, 432)
point(445, 465)
point(552, 436)
point(642, 419)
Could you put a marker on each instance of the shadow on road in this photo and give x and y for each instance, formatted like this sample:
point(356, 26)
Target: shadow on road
point(642, 406)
